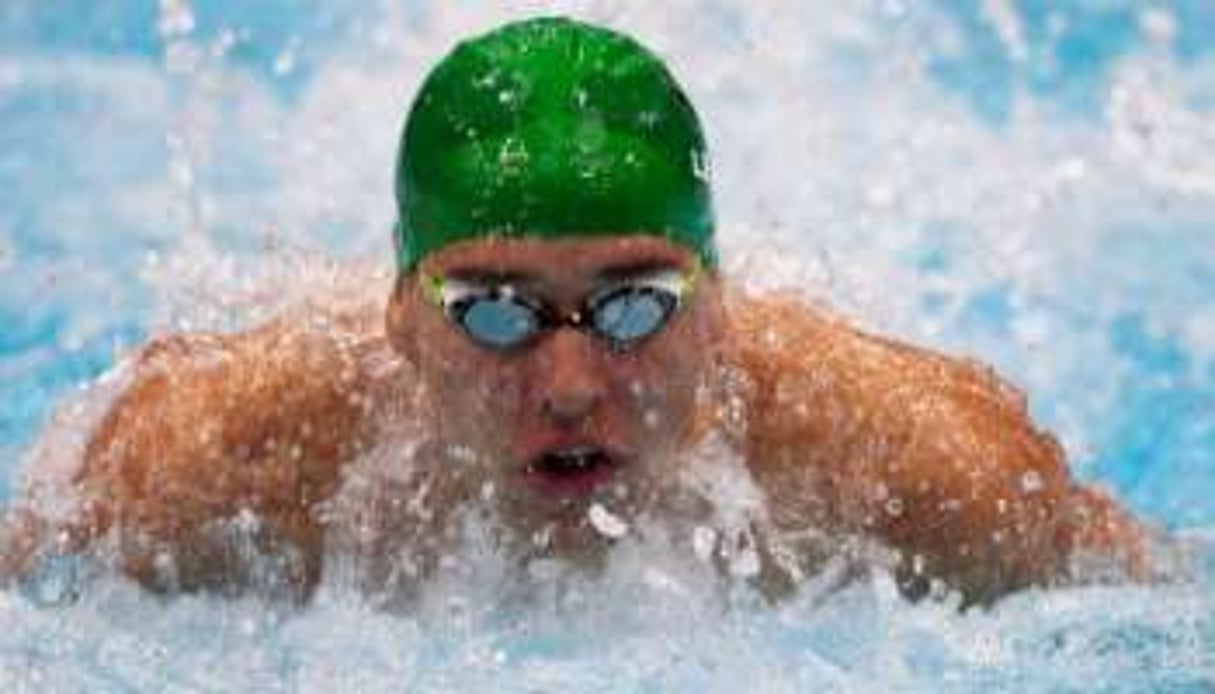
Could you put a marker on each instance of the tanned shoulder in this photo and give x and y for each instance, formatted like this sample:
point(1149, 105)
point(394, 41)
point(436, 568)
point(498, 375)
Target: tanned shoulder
point(213, 428)
point(933, 455)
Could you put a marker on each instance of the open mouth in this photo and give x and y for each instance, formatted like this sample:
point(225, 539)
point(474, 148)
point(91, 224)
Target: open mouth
point(574, 470)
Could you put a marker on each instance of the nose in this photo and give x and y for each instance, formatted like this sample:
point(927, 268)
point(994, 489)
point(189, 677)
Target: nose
point(571, 378)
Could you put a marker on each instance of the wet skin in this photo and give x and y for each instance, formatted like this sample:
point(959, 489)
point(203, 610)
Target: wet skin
point(845, 434)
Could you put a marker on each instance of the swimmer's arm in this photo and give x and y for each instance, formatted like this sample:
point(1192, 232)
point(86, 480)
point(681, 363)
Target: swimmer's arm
point(985, 501)
point(935, 456)
point(212, 426)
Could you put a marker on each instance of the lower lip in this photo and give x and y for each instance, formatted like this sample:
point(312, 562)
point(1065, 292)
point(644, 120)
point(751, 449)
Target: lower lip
point(574, 485)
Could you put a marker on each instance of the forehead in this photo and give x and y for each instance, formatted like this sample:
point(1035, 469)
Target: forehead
point(557, 261)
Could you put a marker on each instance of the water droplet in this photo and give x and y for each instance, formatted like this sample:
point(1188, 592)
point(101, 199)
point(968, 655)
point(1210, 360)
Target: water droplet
point(223, 43)
point(543, 538)
point(246, 521)
point(285, 61)
point(55, 581)
point(1071, 169)
point(607, 523)
point(176, 19)
point(700, 165)
point(660, 581)
point(1159, 25)
point(880, 195)
point(248, 626)
point(894, 506)
point(463, 454)
point(745, 564)
point(1031, 482)
point(704, 539)
point(652, 419)
point(513, 155)
point(487, 80)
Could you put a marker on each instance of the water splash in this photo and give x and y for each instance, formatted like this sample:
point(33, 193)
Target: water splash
point(996, 182)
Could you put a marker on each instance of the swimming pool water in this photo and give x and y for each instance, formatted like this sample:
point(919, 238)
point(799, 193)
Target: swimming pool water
point(1031, 183)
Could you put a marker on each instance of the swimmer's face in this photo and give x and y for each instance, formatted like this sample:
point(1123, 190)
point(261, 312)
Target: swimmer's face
point(563, 414)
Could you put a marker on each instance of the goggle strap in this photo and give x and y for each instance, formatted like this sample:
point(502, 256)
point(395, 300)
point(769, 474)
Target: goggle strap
point(432, 290)
point(689, 281)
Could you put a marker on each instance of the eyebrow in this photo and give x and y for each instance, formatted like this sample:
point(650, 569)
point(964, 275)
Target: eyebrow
point(634, 268)
point(623, 270)
point(491, 277)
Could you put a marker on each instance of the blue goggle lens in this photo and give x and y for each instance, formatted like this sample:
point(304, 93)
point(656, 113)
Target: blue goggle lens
point(622, 316)
point(631, 314)
point(621, 313)
point(499, 322)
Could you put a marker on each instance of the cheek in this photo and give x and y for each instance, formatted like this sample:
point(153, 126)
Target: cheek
point(659, 385)
point(472, 387)
point(678, 365)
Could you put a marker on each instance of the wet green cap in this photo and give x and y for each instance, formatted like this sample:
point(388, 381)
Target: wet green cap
point(551, 128)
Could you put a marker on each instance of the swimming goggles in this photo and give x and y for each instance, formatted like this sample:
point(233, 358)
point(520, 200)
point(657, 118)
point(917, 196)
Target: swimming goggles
point(622, 312)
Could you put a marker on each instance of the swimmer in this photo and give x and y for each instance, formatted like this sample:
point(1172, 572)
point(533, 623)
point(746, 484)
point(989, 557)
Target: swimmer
point(557, 345)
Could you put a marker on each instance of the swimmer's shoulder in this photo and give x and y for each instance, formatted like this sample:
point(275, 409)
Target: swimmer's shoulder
point(818, 382)
point(303, 383)
point(779, 340)
point(204, 427)
point(766, 324)
point(778, 336)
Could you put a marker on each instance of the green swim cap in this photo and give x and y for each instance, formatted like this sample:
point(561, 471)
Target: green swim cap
point(551, 128)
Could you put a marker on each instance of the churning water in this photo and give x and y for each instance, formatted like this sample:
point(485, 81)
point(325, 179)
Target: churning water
point(1028, 182)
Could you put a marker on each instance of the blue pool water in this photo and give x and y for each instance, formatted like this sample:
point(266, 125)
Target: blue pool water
point(1029, 182)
